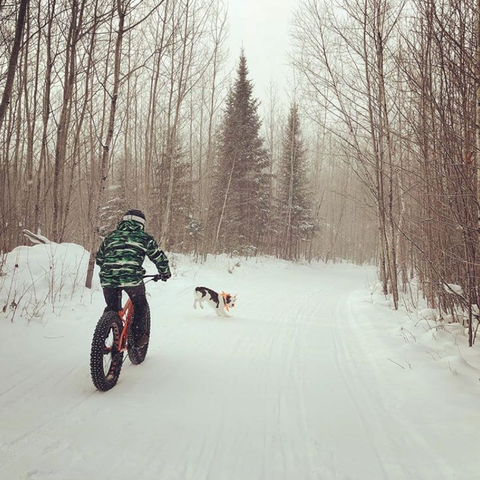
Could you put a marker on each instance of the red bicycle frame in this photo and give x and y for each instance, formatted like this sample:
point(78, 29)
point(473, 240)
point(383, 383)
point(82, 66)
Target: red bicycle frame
point(126, 315)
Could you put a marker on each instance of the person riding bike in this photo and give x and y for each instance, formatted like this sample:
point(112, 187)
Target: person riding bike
point(120, 258)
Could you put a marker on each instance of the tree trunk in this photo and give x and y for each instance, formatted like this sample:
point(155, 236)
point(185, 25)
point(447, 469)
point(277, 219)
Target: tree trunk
point(104, 163)
point(12, 64)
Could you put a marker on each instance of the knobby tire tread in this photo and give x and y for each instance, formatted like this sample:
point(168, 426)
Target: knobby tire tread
point(137, 355)
point(109, 322)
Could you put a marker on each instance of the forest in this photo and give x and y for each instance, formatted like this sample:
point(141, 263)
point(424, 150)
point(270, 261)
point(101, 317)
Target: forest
point(107, 105)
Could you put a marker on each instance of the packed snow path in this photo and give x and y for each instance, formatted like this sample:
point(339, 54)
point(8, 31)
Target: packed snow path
point(291, 387)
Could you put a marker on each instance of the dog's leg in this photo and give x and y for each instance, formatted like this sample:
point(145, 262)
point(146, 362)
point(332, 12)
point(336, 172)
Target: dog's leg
point(198, 298)
point(195, 299)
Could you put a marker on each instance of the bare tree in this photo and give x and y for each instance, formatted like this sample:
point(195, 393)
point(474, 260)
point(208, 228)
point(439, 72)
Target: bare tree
point(122, 9)
point(12, 64)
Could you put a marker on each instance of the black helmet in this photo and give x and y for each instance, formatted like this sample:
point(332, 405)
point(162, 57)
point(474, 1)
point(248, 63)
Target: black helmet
point(135, 215)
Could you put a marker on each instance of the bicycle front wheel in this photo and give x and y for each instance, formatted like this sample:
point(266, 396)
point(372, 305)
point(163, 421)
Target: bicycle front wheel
point(137, 354)
point(105, 359)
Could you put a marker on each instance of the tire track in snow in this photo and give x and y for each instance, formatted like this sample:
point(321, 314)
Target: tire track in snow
point(386, 434)
point(38, 435)
point(306, 318)
point(298, 377)
point(292, 327)
point(348, 376)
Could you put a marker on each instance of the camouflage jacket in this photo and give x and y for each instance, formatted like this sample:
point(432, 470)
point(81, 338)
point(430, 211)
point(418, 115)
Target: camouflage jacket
point(122, 252)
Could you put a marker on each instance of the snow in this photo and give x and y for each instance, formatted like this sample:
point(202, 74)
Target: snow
point(429, 314)
point(43, 278)
point(453, 288)
point(35, 237)
point(313, 377)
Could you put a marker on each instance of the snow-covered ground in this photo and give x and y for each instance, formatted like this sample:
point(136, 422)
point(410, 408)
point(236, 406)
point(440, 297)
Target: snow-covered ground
point(314, 377)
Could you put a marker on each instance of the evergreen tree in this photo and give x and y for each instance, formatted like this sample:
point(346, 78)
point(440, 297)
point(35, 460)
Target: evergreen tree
point(239, 207)
point(294, 208)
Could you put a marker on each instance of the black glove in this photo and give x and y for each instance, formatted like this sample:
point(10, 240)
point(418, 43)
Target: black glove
point(162, 276)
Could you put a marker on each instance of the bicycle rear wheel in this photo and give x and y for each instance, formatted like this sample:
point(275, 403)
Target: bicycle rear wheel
point(137, 354)
point(105, 359)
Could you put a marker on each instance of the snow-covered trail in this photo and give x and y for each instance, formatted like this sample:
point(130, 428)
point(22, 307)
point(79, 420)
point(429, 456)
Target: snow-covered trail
point(286, 389)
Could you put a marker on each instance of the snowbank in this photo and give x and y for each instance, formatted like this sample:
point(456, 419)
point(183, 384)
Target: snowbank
point(41, 277)
point(423, 340)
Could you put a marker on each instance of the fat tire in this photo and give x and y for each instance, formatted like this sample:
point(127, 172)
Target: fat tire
point(137, 355)
point(109, 324)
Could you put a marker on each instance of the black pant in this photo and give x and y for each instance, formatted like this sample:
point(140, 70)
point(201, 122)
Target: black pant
point(113, 297)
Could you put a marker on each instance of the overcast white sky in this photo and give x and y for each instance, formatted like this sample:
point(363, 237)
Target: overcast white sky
point(261, 27)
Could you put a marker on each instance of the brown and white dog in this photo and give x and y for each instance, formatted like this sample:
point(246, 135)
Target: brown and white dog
point(221, 302)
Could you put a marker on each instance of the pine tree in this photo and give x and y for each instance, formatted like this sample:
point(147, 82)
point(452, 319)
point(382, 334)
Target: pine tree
point(294, 208)
point(239, 207)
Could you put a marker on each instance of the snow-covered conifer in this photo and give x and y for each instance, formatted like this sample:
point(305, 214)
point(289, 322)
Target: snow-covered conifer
point(239, 207)
point(294, 209)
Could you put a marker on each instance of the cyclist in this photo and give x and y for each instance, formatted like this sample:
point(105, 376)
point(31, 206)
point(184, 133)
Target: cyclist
point(120, 258)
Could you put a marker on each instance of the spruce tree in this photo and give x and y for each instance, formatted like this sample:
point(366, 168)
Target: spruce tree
point(294, 207)
point(239, 207)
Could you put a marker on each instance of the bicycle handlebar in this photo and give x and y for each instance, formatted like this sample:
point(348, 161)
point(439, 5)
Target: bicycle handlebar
point(152, 277)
